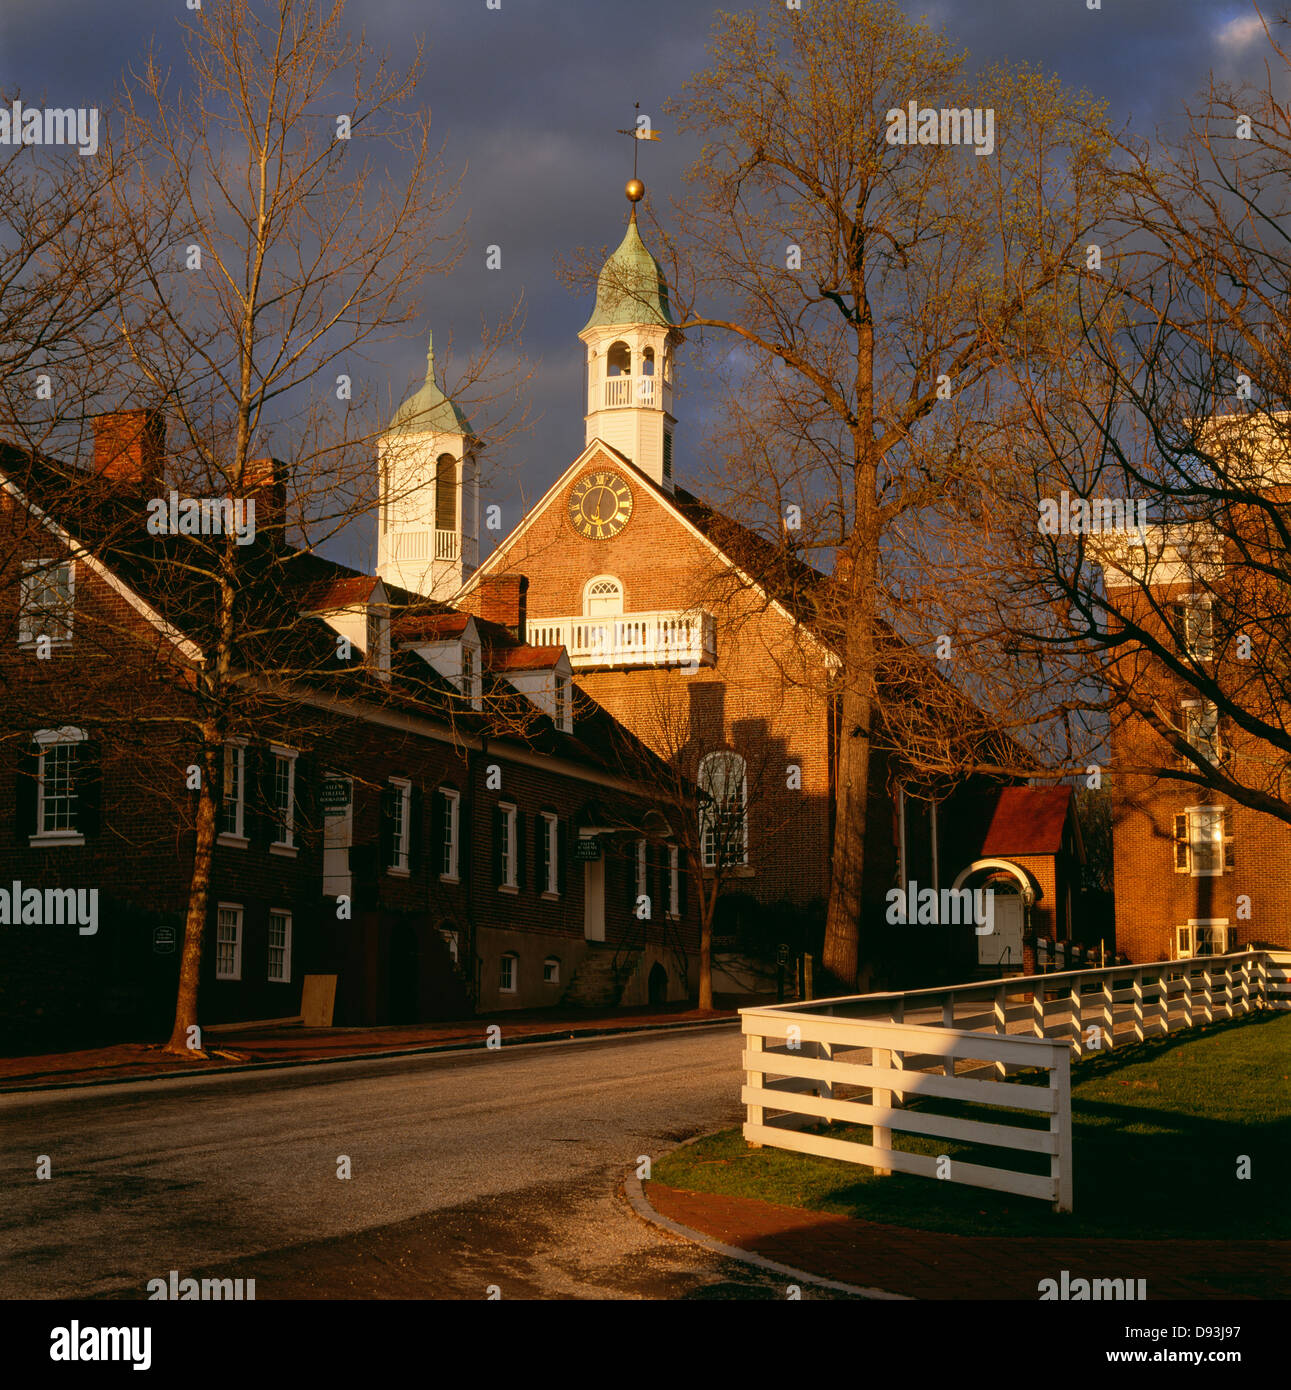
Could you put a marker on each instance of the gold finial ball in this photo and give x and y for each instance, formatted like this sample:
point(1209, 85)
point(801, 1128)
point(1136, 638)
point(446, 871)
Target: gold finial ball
point(635, 190)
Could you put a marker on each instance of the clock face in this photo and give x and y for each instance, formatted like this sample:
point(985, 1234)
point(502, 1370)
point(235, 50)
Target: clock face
point(599, 506)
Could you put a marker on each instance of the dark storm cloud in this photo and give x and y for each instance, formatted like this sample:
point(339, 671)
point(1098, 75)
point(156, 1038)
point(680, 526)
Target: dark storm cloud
point(529, 96)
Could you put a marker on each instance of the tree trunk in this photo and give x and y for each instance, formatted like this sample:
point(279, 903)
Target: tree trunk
point(706, 954)
point(190, 964)
point(842, 924)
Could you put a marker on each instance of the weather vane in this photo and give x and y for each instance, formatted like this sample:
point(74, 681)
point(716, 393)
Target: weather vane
point(641, 131)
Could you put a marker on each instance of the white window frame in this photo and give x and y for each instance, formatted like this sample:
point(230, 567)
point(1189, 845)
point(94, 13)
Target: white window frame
point(561, 702)
point(1187, 605)
point(1187, 938)
point(643, 886)
point(289, 756)
point(238, 922)
point(65, 737)
point(708, 834)
point(403, 836)
point(510, 817)
point(551, 837)
point(285, 977)
point(674, 881)
point(552, 965)
point(471, 679)
point(35, 575)
point(450, 849)
point(620, 593)
point(508, 973)
point(1193, 713)
point(237, 836)
point(1195, 814)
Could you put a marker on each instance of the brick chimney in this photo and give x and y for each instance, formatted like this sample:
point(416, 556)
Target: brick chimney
point(266, 481)
point(130, 448)
point(504, 600)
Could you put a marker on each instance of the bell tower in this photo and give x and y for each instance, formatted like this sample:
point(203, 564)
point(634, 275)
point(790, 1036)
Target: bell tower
point(428, 538)
point(630, 340)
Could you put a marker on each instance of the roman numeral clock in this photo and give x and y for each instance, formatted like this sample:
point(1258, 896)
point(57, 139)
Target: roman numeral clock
point(600, 505)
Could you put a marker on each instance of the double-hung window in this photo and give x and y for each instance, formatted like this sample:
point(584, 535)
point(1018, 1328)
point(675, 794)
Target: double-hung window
point(1194, 626)
point(508, 866)
point(1201, 729)
point(46, 602)
point(550, 829)
point(228, 942)
point(280, 947)
point(450, 832)
point(284, 797)
point(400, 824)
point(1202, 845)
point(233, 803)
point(57, 793)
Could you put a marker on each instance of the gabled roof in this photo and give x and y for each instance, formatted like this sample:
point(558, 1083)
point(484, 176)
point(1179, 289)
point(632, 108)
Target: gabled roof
point(1028, 820)
point(340, 591)
point(524, 658)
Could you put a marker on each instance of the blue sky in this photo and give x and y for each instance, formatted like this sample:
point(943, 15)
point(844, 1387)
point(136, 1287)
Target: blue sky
point(529, 96)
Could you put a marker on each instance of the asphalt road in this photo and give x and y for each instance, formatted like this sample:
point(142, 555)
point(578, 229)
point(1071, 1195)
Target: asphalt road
point(467, 1170)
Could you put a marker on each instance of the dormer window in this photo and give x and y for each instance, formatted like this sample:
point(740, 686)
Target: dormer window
point(377, 637)
point(468, 670)
point(563, 720)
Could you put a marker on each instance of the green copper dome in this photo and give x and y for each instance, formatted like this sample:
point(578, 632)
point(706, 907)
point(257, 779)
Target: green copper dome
point(429, 410)
point(631, 287)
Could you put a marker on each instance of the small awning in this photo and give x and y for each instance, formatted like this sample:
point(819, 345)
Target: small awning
point(623, 818)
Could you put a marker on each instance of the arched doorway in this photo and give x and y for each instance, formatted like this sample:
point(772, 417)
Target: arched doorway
point(1012, 892)
point(657, 984)
point(405, 974)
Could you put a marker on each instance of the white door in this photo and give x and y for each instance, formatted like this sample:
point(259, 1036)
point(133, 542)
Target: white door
point(338, 834)
point(1003, 946)
point(594, 900)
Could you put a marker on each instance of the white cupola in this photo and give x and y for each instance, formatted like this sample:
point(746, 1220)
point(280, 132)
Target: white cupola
point(428, 539)
point(630, 341)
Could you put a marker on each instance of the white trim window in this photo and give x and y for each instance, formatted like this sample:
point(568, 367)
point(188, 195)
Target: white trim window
point(233, 804)
point(450, 834)
point(507, 973)
point(507, 861)
point(46, 602)
point(1203, 936)
point(228, 941)
point(1194, 625)
point(674, 881)
point(1202, 845)
point(564, 716)
point(1201, 729)
point(284, 796)
point(551, 971)
point(723, 819)
point(57, 800)
point(279, 947)
point(400, 824)
point(603, 596)
point(550, 853)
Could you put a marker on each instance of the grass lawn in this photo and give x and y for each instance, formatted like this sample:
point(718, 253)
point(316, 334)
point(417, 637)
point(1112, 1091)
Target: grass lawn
point(1159, 1129)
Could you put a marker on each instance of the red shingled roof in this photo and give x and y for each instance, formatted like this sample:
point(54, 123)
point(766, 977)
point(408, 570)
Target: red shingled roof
point(436, 627)
point(523, 658)
point(1027, 820)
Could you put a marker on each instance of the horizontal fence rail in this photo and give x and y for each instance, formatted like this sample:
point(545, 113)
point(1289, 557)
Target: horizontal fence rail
point(855, 1059)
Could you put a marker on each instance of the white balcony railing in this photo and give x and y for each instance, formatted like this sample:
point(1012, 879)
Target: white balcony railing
point(630, 390)
point(427, 545)
point(631, 639)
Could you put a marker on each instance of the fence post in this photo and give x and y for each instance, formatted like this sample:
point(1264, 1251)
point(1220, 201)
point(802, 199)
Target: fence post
point(948, 1021)
point(1077, 1015)
point(1163, 981)
point(756, 1113)
point(898, 1057)
point(1187, 994)
point(1109, 1010)
point(1138, 1006)
point(825, 1089)
point(1060, 1164)
point(1037, 1010)
point(881, 1135)
point(1228, 989)
point(1001, 1028)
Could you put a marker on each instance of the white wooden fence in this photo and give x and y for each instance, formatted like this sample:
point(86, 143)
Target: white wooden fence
point(855, 1059)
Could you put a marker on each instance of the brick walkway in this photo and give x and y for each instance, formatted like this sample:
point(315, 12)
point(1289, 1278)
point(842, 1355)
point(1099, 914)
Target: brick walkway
point(924, 1264)
point(292, 1043)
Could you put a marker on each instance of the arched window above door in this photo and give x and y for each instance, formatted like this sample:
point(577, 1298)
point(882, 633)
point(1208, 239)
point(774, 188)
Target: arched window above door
point(602, 596)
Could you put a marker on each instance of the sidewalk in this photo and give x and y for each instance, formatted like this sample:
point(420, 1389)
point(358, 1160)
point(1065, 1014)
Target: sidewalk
point(925, 1264)
point(241, 1048)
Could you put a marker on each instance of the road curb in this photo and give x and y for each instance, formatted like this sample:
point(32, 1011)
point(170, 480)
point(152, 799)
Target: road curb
point(634, 1192)
point(557, 1035)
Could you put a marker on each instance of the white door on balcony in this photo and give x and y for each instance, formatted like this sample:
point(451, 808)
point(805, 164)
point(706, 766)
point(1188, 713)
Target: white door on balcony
point(603, 597)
